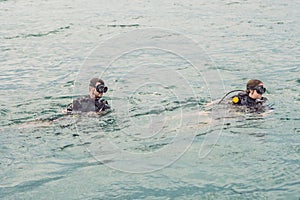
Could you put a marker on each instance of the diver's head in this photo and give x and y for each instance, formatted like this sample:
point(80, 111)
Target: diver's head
point(97, 88)
point(255, 89)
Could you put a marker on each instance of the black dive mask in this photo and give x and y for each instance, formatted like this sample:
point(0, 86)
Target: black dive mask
point(260, 89)
point(101, 88)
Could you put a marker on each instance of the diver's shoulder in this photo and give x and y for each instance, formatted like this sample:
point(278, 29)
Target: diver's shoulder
point(240, 95)
point(82, 98)
point(239, 98)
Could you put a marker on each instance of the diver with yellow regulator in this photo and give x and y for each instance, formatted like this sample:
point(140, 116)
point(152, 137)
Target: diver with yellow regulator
point(251, 97)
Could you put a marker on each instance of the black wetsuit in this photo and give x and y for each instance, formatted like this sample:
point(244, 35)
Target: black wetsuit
point(243, 99)
point(87, 104)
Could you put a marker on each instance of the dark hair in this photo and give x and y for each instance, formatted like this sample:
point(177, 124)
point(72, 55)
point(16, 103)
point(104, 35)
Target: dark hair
point(94, 81)
point(251, 84)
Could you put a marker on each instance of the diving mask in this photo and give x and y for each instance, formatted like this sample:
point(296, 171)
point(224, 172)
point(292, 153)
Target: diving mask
point(260, 89)
point(101, 88)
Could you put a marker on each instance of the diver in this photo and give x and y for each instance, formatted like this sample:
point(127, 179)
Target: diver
point(92, 102)
point(251, 98)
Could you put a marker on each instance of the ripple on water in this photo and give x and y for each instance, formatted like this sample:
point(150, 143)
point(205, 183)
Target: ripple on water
point(29, 35)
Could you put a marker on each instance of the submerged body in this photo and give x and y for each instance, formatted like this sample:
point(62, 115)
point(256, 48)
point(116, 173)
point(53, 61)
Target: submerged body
point(243, 102)
point(251, 99)
point(87, 104)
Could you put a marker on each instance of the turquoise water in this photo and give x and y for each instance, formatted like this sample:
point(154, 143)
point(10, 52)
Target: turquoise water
point(163, 61)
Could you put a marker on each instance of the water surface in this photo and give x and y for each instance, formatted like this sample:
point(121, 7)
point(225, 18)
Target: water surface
point(182, 149)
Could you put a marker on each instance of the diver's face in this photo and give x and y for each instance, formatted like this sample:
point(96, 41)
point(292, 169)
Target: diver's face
point(97, 94)
point(256, 95)
point(94, 93)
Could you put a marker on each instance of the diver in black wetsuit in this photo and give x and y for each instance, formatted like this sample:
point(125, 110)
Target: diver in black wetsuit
point(92, 102)
point(251, 98)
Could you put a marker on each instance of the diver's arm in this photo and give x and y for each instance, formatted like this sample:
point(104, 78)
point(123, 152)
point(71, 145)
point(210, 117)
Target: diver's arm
point(102, 106)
